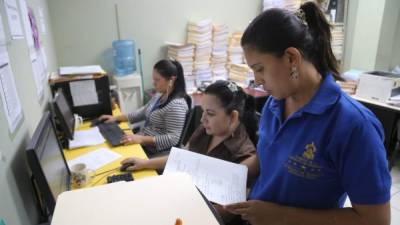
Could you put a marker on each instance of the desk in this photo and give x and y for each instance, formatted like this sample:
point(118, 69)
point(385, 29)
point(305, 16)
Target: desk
point(389, 115)
point(154, 201)
point(125, 151)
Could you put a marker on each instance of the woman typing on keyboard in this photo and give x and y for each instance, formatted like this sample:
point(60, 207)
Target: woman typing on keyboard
point(164, 114)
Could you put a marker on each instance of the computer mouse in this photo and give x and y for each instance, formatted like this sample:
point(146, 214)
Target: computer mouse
point(125, 166)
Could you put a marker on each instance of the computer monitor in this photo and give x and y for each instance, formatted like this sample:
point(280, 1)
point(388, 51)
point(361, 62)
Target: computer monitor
point(50, 171)
point(64, 114)
point(90, 110)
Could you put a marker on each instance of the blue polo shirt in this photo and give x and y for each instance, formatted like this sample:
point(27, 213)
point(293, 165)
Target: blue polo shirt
point(331, 147)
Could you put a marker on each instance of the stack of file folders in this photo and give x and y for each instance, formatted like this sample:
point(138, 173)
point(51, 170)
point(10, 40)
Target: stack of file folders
point(291, 5)
point(200, 34)
point(219, 52)
point(241, 74)
point(235, 51)
point(184, 54)
point(337, 40)
point(348, 86)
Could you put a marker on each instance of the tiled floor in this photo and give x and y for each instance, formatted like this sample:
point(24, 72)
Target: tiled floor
point(395, 193)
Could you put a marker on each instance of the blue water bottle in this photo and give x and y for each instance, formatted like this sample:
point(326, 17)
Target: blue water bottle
point(124, 57)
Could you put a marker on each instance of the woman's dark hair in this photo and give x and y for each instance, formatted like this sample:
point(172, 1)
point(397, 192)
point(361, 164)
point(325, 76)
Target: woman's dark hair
point(167, 69)
point(232, 97)
point(275, 30)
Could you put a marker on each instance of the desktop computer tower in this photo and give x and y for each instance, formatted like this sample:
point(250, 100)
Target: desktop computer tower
point(88, 97)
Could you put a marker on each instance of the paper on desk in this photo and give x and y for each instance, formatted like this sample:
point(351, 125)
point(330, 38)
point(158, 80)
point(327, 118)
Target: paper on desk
point(96, 159)
point(220, 181)
point(84, 138)
point(75, 70)
point(83, 92)
point(395, 98)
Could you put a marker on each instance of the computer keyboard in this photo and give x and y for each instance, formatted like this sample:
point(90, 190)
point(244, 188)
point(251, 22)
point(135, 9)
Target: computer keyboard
point(111, 132)
point(120, 177)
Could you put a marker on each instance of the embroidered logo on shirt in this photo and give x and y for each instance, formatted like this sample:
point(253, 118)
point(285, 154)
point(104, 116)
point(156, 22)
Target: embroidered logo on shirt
point(309, 152)
point(303, 165)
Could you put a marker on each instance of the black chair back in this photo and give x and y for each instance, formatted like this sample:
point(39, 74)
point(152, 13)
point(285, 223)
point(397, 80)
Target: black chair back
point(188, 120)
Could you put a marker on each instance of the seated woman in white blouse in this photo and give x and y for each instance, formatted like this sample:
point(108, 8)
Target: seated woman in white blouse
point(164, 114)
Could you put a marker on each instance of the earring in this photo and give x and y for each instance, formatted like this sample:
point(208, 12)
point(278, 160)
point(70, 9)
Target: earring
point(294, 73)
point(232, 133)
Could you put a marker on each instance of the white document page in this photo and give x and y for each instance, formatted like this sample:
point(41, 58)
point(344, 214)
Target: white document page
point(3, 42)
point(14, 21)
point(27, 24)
point(42, 21)
point(9, 97)
point(395, 98)
point(73, 70)
point(84, 138)
point(3, 54)
point(37, 78)
point(83, 92)
point(44, 58)
point(220, 181)
point(96, 159)
point(41, 68)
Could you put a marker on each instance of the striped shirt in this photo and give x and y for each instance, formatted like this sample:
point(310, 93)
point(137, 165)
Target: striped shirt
point(165, 124)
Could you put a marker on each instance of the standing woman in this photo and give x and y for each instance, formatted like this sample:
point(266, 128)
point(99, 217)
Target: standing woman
point(316, 144)
point(164, 114)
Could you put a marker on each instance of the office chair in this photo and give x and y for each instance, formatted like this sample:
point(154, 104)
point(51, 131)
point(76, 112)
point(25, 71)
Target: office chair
point(188, 120)
point(185, 135)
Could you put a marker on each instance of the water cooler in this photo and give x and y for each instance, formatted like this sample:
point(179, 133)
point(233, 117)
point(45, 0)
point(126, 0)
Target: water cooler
point(126, 79)
point(129, 89)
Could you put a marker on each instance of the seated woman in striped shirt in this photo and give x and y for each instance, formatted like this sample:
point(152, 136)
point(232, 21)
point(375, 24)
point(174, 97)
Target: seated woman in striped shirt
point(164, 114)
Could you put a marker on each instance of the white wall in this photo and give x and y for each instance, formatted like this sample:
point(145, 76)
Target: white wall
point(363, 32)
point(372, 35)
point(84, 30)
point(388, 38)
point(16, 196)
point(350, 23)
point(396, 47)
